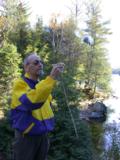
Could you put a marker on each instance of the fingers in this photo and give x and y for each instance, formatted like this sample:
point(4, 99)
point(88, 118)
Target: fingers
point(60, 66)
point(57, 70)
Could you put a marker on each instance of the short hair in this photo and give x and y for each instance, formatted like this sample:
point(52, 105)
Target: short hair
point(27, 58)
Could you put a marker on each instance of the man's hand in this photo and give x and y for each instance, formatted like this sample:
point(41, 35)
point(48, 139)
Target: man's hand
point(57, 70)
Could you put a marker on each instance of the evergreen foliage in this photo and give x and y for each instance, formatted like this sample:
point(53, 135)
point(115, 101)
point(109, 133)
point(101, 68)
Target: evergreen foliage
point(9, 70)
point(58, 42)
point(97, 70)
point(6, 139)
point(17, 14)
point(65, 144)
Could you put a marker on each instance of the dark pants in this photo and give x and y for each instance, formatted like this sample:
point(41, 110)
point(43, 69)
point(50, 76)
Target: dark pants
point(30, 147)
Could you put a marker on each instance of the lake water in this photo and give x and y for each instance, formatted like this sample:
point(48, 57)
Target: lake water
point(114, 101)
point(112, 125)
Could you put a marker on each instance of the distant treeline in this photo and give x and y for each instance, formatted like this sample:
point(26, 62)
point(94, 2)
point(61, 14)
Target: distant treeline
point(116, 71)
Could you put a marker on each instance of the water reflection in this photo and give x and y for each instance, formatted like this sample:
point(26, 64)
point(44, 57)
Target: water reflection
point(111, 135)
point(113, 102)
point(113, 110)
point(106, 136)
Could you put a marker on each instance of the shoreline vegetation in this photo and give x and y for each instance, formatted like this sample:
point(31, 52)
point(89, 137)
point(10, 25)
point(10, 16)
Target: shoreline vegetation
point(5, 126)
point(85, 62)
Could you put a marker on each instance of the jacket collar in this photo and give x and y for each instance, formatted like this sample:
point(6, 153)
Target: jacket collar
point(29, 81)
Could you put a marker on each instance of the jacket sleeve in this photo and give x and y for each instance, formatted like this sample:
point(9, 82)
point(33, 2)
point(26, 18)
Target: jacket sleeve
point(29, 99)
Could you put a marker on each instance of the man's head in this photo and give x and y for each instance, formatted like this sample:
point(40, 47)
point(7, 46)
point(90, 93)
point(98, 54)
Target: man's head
point(33, 65)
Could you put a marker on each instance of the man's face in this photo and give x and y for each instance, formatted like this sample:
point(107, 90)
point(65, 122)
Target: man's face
point(34, 66)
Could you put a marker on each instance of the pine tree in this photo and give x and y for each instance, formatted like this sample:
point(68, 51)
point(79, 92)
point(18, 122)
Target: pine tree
point(17, 14)
point(65, 47)
point(97, 69)
point(9, 70)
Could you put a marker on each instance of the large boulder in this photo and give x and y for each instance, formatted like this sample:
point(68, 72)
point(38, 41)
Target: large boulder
point(96, 111)
point(98, 107)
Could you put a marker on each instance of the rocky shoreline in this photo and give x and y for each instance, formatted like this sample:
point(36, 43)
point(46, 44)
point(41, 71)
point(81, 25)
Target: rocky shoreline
point(95, 111)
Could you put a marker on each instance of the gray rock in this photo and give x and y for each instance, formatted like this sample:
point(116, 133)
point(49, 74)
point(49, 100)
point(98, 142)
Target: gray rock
point(98, 107)
point(96, 111)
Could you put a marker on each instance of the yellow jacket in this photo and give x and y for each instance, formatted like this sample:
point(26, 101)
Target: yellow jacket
point(31, 112)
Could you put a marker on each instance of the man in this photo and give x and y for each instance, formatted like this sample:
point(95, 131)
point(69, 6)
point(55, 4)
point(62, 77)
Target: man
point(32, 116)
